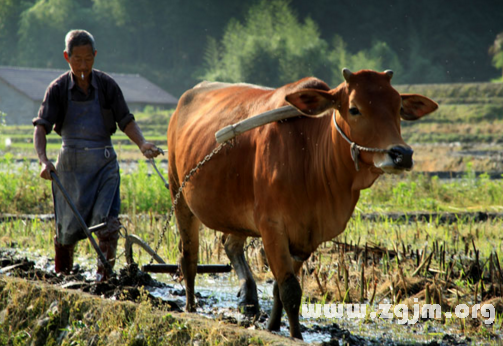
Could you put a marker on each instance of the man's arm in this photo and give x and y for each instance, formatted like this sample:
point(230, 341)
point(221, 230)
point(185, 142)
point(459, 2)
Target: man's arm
point(134, 133)
point(40, 142)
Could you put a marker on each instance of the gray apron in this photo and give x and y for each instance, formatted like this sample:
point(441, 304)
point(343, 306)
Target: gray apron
point(87, 168)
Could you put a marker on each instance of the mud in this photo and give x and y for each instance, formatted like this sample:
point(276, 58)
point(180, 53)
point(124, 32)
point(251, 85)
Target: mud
point(130, 283)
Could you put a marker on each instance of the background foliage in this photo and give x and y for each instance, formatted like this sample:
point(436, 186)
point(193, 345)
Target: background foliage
point(176, 43)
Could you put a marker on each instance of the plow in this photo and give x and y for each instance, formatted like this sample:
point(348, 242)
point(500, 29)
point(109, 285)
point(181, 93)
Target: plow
point(222, 137)
point(132, 239)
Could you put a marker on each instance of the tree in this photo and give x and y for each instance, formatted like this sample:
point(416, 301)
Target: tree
point(168, 41)
point(10, 11)
point(496, 50)
point(42, 30)
point(272, 47)
point(379, 57)
point(161, 40)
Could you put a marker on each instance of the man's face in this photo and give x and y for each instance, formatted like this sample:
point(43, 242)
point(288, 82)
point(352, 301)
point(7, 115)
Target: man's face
point(81, 61)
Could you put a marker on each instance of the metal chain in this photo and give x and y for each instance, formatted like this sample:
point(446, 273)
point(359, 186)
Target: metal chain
point(179, 193)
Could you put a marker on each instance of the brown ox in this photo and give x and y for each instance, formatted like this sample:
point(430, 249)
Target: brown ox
point(294, 183)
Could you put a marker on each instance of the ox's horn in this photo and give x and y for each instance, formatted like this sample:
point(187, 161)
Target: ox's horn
point(389, 73)
point(346, 73)
point(278, 114)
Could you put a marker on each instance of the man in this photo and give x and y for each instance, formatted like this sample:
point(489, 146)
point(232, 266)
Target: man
point(85, 106)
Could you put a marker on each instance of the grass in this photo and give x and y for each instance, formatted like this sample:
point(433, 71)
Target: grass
point(419, 192)
point(469, 114)
point(460, 271)
point(460, 93)
point(43, 315)
point(142, 191)
point(152, 121)
point(24, 192)
point(392, 247)
point(462, 254)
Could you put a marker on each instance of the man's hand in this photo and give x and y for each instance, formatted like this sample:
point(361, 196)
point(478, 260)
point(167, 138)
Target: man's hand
point(45, 172)
point(40, 142)
point(150, 151)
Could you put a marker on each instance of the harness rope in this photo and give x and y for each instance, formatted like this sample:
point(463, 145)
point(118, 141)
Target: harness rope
point(355, 148)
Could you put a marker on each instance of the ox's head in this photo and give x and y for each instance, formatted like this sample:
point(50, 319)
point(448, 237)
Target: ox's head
point(366, 111)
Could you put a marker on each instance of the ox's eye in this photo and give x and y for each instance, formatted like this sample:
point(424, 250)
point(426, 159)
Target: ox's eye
point(354, 111)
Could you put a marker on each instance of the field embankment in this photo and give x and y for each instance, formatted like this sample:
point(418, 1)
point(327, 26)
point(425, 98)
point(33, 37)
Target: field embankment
point(466, 129)
point(40, 314)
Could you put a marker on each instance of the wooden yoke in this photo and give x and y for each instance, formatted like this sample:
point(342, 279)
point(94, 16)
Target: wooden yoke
point(231, 131)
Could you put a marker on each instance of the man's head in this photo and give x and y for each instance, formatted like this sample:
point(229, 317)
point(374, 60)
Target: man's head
point(79, 52)
point(76, 38)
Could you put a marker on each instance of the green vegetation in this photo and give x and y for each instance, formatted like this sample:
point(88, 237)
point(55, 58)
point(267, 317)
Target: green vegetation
point(142, 192)
point(458, 93)
point(41, 315)
point(417, 192)
point(175, 43)
point(469, 114)
point(23, 191)
point(454, 248)
point(273, 48)
point(461, 254)
point(270, 43)
point(496, 50)
point(18, 139)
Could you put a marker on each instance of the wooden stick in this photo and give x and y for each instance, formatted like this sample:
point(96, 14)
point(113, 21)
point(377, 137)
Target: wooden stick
point(82, 223)
point(362, 278)
point(318, 281)
point(403, 281)
point(422, 265)
point(173, 268)
point(231, 131)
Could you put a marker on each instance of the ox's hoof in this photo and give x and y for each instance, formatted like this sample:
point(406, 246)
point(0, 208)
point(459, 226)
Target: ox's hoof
point(249, 310)
point(190, 308)
point(248, 304)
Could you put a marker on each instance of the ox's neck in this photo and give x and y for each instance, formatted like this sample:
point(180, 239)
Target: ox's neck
point(356, 180)
point(340, 182)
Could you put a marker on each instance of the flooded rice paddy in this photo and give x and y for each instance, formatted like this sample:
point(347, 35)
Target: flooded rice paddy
point(216, 294)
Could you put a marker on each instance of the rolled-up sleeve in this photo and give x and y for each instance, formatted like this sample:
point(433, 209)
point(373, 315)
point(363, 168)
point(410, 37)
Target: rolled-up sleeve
point(122, 110)
point(49, 110)
point(122, 115)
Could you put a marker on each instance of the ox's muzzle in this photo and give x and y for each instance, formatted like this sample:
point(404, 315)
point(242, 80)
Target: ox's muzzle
point(397, 159)
point(401, 157)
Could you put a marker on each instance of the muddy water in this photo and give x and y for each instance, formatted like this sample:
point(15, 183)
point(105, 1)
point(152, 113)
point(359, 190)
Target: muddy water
point(217, 300)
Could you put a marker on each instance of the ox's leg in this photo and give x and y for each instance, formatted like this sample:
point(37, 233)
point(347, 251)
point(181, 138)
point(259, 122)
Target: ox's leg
point(277, 308)
point(188, 226)
point(248, 302)
point(287, 292)
point(275, 319)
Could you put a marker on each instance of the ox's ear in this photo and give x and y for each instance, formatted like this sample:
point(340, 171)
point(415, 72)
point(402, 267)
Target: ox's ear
point(312, 102)
point(416, 106)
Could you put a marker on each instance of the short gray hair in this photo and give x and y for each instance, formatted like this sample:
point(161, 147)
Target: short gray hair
point(76, 38)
